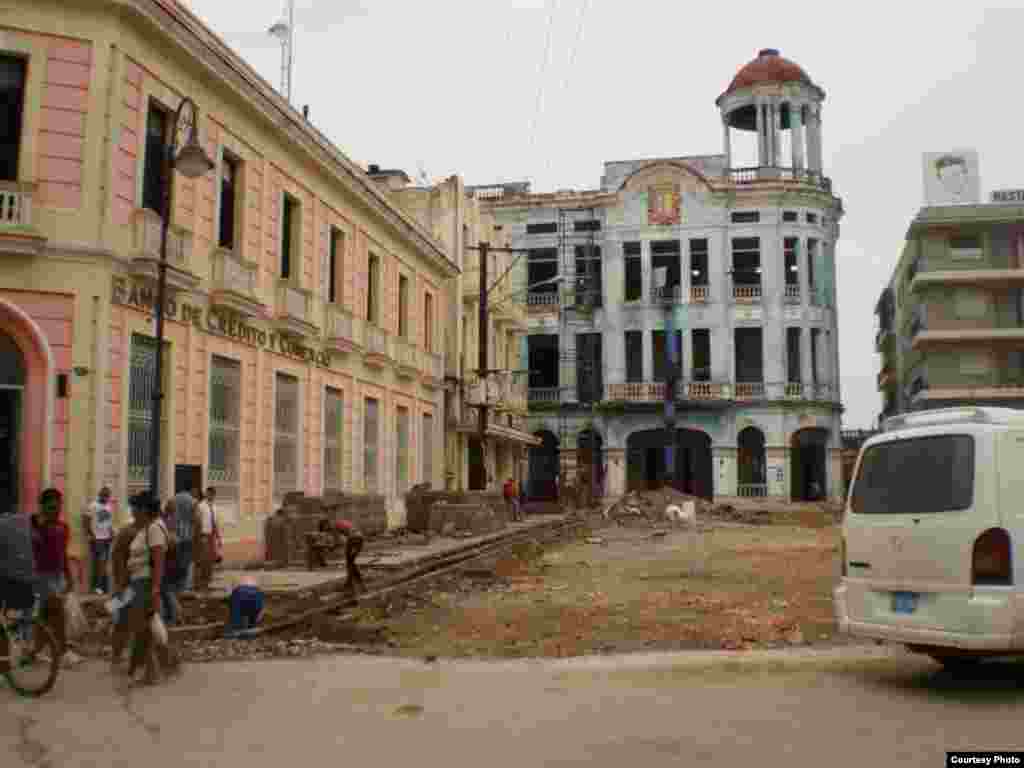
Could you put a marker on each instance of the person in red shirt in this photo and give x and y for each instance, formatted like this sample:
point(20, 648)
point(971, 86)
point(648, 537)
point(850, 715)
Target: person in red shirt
point(511, 500)
point(50, 537)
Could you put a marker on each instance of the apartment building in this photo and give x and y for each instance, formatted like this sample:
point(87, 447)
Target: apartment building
point(303, 341)
point(951, 320)
point(475, 460)
point(717, 272)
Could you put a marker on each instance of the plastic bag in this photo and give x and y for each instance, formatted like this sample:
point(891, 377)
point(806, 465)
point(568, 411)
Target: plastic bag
point(75, 623)
point(156, 626)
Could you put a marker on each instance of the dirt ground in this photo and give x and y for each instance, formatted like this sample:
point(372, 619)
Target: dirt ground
point(622, 589)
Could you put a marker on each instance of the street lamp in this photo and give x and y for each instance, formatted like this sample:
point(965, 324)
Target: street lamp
point(191, 162)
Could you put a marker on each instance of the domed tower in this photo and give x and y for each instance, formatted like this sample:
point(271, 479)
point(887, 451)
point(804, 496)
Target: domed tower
point(775, 99)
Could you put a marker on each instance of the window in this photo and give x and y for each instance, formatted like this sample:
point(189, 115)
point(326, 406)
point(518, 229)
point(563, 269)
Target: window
point(372, 290)
point(12, 105)
point(589, 376)
point(967, 248)
point(428, 322)
point(286, 435)
point(922, 475)
point(542, 355)
point(334, 418)
point(547, 228)
point(541, 267)
point(789, 216)
point(371, 435)
point(289, 235)
point(665, 255)
point(634, 356)
point(745, 217)
point(634, 273)
point(746, 260)
point(154, 173)
point(699, 261)
point(334, 269)
point(228, 201)
point(588, 275)
point(789, 247)
point(812, 249)
point(403, 306)
point(141, 386)
point(225, 427)
point(815, 341)
point(660, 354)
point(794, 374)
point(427, 448)
point(701, 343)
point(588, 225)
point(749, 356)
point(402, 450)
point(812, 218)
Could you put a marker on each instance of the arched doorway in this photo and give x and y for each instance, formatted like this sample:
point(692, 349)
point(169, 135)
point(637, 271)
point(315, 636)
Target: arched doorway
point(590, 465)
point(477, 467)
point(693, 463)
point(808, 450)
point(544, 467)
point(12, 394)
point(645, 459)
point(753, 479)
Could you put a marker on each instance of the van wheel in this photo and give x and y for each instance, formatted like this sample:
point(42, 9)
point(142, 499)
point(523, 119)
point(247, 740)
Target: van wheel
point(957, 664)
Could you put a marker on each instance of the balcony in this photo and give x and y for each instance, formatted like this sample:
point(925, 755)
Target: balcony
point(666, 294)
point(746, 294)
point(16, 233)
point(145, 264)
point(985, 278)
point(968, 336)
point(234, 284)
point(794, 390)
point(294, 311)
point(546, 303)
point(431, 369)
point(792, 294)
point(638, 392)
point(707, 390)
point(510, 392)
point(378, 352)
point(470, 424)
point(1000, 391)
point(750, 390)
point(699, 294)
point(742, 177)
point(344, 330)
point(543, 395)
point(407, 359)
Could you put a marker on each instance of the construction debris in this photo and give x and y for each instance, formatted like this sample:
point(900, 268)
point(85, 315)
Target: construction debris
point(655, 507)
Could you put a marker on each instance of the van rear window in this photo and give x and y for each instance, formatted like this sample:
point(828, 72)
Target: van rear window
point(916, 476)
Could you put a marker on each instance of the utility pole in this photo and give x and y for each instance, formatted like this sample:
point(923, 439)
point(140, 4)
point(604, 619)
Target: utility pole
point(671, 379)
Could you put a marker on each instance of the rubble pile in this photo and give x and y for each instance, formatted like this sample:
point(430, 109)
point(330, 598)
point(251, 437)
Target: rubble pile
point(744, 515)
point(654, 507)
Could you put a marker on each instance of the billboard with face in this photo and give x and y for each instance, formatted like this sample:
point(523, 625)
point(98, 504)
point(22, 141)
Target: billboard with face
point(951, 178)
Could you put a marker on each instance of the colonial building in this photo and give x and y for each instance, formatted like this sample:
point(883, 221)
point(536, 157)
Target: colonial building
point(720, 269)
point(458, 219)
point(304, 324)
point(951, 320)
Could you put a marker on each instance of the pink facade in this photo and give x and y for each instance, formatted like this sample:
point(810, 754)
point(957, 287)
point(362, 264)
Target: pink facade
point(62, 123)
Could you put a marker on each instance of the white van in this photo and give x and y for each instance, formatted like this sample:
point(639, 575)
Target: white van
point(932, 534)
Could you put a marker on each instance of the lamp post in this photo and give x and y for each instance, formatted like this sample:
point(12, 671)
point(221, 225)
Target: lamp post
point(191, 162)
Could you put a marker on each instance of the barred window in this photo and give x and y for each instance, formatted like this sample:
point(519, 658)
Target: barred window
point(402, 451)
point(286, 436)
point(370, 439)
point(333, 423)
point(141, 386)
point(225, 428)
point(427, 448)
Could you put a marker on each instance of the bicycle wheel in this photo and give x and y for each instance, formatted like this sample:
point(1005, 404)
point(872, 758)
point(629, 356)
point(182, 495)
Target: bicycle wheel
point(32, 672)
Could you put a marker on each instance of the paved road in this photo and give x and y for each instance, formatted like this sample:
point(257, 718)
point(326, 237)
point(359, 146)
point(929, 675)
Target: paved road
point(848, 708)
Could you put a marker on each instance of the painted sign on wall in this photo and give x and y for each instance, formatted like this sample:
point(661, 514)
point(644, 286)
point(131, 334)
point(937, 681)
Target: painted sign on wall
point(664, 205)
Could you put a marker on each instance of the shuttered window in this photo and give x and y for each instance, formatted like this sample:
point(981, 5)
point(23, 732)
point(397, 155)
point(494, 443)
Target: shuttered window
point(427, 448)
point(402, 451)
point(333, 431)
point(286, 436)
point(141, 386)
point(223, 472)
point(371, 434)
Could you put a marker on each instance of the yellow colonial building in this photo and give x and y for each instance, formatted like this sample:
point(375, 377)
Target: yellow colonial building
point(305, 314)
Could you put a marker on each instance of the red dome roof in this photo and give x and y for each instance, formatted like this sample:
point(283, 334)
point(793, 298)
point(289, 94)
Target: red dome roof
point(768, 67)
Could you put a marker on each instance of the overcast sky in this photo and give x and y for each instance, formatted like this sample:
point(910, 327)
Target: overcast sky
point(473, 88)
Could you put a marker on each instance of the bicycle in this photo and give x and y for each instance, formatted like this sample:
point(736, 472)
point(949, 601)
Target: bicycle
point(28, 651)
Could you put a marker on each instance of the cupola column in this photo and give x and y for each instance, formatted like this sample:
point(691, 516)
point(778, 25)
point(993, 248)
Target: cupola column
point(796, 130)
point(759, 127)
point(726, 141)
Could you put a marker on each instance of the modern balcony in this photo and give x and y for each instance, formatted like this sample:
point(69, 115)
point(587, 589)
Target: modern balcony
point(407, 359)
point(145, 263)
point(982, 278)
point(378, 351)
point(431, 369)
point(344, 331)
point(17, 235)
point(1006, 390)
point(746, 293)
point(293, 315)
point(234, 284)
point(792, 294)
point(755, 175)
point(926, 337)
point(542, 303)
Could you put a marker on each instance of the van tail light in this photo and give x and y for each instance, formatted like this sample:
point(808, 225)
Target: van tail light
point(842, 555)
point(990, 563)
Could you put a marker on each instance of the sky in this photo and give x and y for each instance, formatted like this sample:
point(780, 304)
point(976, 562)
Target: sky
point(547, 90)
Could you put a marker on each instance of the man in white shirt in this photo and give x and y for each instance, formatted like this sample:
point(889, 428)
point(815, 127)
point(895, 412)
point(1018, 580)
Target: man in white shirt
point(206, 529)
point(98, 523)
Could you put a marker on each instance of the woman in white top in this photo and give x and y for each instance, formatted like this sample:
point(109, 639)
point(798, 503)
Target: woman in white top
point(147, 557)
